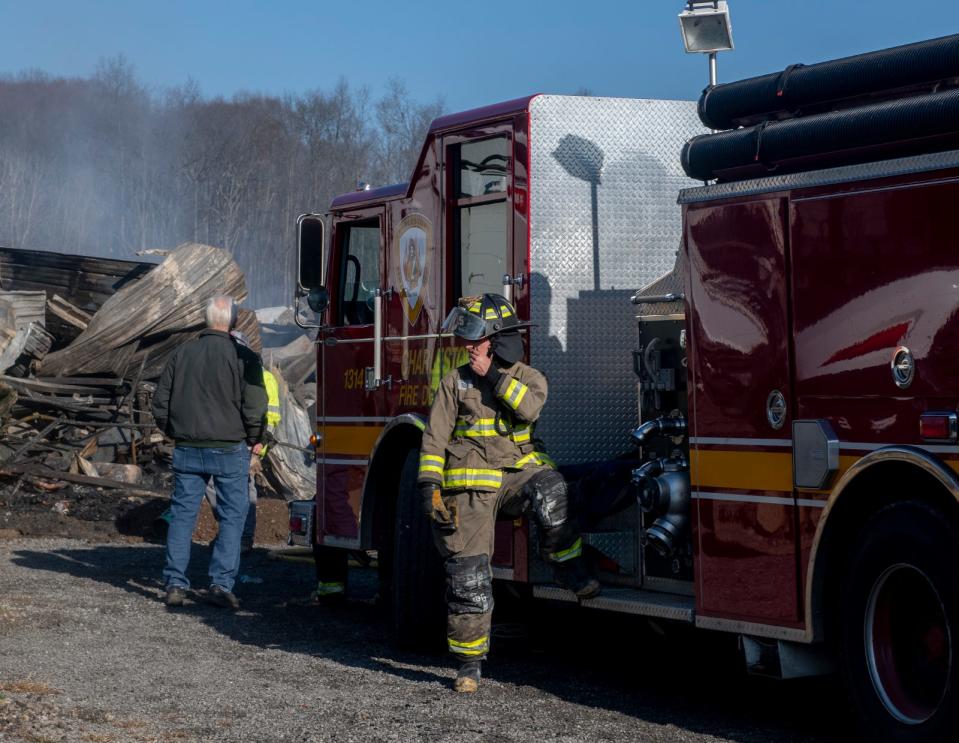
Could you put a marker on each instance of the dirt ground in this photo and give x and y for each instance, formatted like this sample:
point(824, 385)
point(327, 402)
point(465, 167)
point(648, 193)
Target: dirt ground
point(89, 653)
point(53, 509)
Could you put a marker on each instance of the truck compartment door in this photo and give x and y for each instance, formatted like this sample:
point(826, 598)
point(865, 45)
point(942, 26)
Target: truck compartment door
point(741, 412)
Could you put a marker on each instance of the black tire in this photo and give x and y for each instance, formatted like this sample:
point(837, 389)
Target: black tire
point(418, 604)
point(899, 626)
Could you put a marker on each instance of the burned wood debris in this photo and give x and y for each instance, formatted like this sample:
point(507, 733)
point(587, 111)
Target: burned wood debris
point(82, 342)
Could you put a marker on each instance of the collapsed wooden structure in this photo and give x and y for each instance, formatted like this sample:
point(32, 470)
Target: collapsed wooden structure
point(82, 341)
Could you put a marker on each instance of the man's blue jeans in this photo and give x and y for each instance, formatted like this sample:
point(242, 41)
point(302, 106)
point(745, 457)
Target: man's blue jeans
point(193, 467)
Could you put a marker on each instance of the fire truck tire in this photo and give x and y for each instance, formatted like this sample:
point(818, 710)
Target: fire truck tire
point(417, 606)
point(899, 625)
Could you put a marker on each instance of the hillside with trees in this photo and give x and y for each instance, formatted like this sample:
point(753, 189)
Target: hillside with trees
point(106, 166)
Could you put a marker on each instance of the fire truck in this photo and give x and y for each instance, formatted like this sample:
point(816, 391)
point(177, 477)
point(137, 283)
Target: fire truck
point(762, 439)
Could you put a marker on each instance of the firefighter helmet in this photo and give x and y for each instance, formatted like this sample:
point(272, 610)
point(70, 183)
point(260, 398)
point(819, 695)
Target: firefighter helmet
point(481, 317)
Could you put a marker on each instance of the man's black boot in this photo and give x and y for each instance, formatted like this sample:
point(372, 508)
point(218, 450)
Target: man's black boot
point(175, 596)
point(221, 597)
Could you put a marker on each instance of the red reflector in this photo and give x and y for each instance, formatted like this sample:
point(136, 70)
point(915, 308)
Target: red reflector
point(296, 524)
point(607, 565)
point(938, 426)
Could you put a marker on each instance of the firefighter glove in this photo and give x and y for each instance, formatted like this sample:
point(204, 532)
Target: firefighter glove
point(433, 506)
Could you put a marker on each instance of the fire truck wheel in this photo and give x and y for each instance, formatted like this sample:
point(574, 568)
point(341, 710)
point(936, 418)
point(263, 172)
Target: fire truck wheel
point(899, 620)
point(418, 609)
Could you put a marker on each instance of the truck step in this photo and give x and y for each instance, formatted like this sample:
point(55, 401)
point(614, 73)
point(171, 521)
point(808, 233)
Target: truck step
point(629, 601)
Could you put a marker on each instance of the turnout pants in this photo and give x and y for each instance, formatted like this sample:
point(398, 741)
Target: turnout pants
point(466, 549)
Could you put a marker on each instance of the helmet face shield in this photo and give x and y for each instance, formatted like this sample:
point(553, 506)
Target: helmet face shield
point(464, 324)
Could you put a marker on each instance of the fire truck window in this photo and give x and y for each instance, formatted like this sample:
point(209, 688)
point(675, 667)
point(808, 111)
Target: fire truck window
point(482, 234)
point(481, 215)
point(359, 274)
point(483, 167)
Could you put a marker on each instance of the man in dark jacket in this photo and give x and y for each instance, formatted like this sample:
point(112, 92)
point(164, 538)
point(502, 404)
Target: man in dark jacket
point(211, 401)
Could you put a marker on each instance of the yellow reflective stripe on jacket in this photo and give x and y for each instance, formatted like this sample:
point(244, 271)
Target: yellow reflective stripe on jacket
point(272, 398)
point(546, 459)
point(468, 477)
point(514, 394)
point(478, 429)
point(485, 427)
point(474, 647)
point(535, 457)
point(531, 458)
point(521, 434)
point(430, 463)
point(329, 589)
point(575, 550)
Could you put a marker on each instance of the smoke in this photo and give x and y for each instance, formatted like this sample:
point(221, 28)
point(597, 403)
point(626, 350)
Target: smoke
point(104, 166)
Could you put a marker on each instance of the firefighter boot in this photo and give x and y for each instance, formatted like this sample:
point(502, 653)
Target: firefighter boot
point(325, 594)
point(468, 677)
point(575, 576)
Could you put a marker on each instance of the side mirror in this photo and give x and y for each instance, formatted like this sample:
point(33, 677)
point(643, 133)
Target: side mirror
point(318, 299)
point(310, 266)
point(310, 252)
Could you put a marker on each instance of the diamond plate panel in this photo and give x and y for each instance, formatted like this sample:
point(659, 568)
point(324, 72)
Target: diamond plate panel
point(621, 546)
point(604, 178)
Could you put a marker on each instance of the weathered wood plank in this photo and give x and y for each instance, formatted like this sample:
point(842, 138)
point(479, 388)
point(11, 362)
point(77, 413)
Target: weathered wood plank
point(69, 313)
point(41, 385)
point(169, 299)
point(83, 280)
point(38, 470)
point(84, 381)
point(47, 403)
point(30, 306)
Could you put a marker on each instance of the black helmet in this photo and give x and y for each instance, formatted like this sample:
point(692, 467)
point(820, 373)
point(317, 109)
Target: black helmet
point(481, 317)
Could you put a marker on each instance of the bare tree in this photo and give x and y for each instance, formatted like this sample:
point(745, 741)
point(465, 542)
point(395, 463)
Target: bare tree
point(103, 166)
point(403, 123)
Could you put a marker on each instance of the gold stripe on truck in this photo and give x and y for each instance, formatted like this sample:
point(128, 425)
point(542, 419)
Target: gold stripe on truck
point(355, 440)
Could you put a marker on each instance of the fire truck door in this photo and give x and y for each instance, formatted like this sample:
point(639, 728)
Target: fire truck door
point(350, 415)
point(740, 458)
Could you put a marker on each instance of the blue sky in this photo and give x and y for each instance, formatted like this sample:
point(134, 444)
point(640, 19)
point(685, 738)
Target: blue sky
point(468, 53)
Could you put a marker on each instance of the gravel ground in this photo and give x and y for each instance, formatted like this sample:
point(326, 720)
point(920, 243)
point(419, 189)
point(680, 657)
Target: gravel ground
point(89, 653)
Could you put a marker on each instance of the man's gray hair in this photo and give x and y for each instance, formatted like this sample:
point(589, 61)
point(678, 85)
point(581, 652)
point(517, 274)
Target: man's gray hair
point(221, 312)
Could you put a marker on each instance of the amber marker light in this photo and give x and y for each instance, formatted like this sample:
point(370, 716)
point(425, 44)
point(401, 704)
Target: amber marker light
point(938, 426)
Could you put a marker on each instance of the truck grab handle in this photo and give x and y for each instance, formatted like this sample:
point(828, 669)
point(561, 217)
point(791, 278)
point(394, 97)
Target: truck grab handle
point(658, 298)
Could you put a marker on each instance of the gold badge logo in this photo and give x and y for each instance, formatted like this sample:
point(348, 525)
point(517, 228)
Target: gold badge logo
point(413, 248)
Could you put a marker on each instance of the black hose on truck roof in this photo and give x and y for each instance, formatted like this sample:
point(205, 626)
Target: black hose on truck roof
point(837, 83)
point(897, 128)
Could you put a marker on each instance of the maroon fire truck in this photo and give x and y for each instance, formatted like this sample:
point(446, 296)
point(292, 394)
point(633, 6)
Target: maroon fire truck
point(762, 440)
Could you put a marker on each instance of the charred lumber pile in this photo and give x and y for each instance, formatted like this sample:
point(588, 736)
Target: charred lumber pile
point(146, 320)
point(82, 342)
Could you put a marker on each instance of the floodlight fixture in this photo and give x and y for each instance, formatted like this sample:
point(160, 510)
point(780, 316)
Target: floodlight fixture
point(707, 29)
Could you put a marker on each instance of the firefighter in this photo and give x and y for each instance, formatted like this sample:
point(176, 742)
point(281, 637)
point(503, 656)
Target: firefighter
point(271, 422)
point(477, 459)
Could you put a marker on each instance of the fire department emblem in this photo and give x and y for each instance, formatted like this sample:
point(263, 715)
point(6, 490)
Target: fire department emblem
point(413, 248)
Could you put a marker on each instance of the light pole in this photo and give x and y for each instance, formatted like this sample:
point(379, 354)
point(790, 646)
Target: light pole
point(707, 29)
